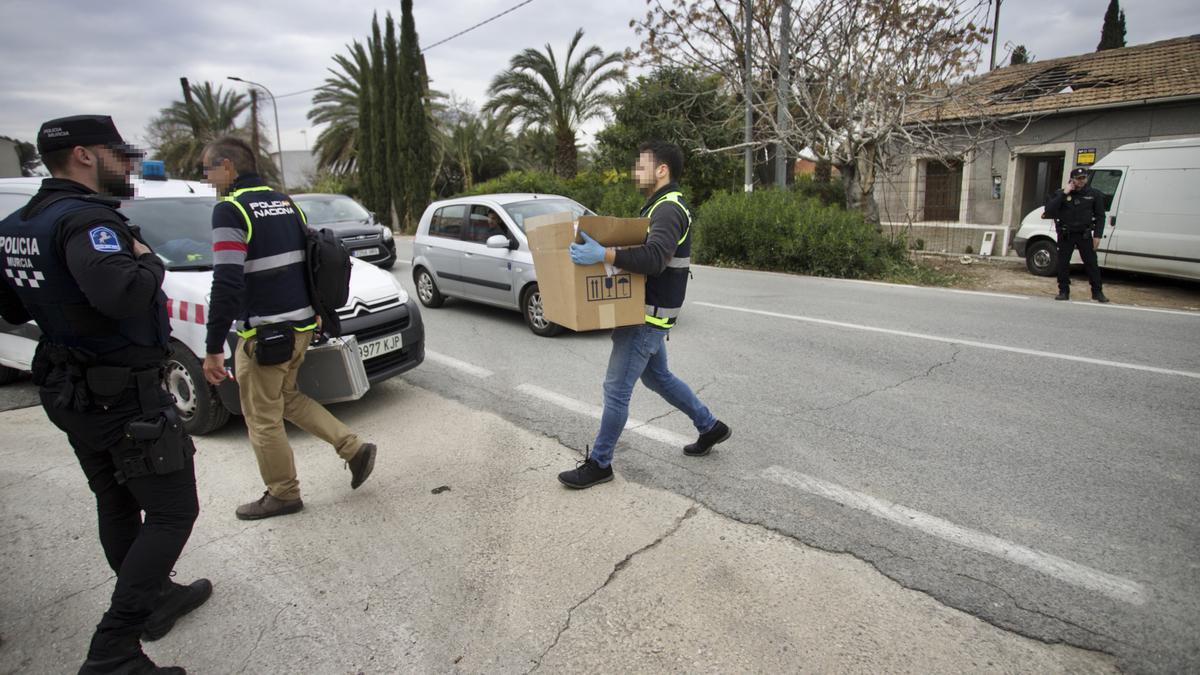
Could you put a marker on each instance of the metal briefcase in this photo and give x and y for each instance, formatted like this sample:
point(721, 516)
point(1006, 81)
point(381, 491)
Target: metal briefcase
point(334, 371)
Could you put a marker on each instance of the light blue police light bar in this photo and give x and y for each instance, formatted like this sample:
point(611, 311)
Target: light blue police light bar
point(153, 169)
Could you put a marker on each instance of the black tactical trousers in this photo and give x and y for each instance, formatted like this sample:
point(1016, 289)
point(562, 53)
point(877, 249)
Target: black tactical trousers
point(142, 552)
point(1067, 243)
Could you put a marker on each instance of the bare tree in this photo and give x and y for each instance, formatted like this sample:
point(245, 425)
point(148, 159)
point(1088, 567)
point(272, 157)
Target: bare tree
point(869, 78)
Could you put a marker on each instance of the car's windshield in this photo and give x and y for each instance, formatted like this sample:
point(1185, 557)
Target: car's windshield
point(179, 229)
point(519, 211)
point(324, 210)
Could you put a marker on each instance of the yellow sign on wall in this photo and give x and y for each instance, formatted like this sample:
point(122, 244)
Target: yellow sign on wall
point(1085, 157)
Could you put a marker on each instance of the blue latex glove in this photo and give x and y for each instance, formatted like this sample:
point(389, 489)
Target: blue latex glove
point(589, 252)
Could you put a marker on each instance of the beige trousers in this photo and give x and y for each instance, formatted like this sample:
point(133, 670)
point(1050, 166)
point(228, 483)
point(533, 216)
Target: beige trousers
point(269, 396)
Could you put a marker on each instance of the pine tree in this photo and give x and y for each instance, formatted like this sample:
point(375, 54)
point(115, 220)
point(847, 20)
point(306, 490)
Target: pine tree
point(1112, 35)
point(393, 172)
point(415, 149)
point(378, 171)
point(1020, 55)
point(365, 162)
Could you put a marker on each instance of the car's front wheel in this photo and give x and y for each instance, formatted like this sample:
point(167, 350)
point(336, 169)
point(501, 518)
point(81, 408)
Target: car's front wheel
point(531, 307)
point(1042, 258)
point(427, 290)
point(197, 401)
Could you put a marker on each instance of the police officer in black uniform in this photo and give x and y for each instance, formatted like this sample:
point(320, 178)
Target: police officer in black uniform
point(71, 263)
point(1078, 213)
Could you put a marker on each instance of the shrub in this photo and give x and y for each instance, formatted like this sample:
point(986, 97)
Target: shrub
point(608, 193)
point(787, 231)
point(828, 193)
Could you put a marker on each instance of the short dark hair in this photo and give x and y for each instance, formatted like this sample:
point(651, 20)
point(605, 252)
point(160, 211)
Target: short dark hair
point(665, 153)
point(56, 161)
point(236, 151)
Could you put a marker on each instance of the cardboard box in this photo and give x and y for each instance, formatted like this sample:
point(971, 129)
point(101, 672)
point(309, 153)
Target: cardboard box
point(586, 297)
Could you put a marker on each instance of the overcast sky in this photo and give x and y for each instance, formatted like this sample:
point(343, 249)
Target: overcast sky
point(125, 58)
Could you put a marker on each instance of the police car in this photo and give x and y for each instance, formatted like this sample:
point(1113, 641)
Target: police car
point(175, 218)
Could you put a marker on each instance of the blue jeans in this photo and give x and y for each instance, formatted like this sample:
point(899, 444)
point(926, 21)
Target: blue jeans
point(640, 352)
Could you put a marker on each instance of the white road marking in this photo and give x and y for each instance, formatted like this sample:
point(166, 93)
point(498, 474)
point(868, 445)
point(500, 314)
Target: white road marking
point(992, 294)
point(461, 366)
point(1062, 569)
point(1059, 568)
point(959, 341)
point(636, 426)
point(1112, 307)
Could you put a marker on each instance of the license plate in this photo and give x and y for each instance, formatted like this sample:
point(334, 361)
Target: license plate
point(369, 350)
point(364, 252)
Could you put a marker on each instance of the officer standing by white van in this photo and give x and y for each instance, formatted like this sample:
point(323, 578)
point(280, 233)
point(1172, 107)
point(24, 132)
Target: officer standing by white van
point(1078, 213)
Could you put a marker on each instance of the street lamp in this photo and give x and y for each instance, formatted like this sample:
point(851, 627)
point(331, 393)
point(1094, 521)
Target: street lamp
point(278, 141)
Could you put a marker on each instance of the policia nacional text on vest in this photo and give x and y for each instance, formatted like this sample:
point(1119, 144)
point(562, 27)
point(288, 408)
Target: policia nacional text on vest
point(89, 358)
point(665, 291)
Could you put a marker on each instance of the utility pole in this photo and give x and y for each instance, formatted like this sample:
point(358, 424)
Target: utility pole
point(781, 111)
point(254, 142)
point(747, 10)
point(278, 142)
point(995, 36)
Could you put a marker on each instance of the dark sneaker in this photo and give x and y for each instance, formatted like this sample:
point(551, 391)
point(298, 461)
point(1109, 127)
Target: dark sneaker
point(174, 602)
point(587, 474)
point(267, 506)
point(361, 465)
point(1062, 296)
point(1099, 296)
point(718, 434)
point(123, 655)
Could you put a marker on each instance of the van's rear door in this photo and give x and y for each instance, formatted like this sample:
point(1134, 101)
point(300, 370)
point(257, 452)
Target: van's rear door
point(1110, 181)
point(1158, 223)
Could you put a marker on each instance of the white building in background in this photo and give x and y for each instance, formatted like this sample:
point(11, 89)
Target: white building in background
point(299, 167)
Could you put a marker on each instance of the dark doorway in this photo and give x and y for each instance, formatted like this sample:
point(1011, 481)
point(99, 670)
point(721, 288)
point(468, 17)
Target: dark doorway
point(1043, 175)
point(943, 189)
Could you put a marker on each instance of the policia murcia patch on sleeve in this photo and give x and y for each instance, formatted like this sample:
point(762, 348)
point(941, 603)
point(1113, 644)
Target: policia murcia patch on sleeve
point(104, 239)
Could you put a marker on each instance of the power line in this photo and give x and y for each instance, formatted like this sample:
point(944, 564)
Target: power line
point(481, 23)
point(440, 42)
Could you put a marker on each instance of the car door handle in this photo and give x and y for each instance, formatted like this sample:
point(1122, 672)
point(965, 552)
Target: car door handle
point(1112, 221)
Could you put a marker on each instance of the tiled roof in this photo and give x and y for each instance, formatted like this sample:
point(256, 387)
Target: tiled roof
point(1132, 75)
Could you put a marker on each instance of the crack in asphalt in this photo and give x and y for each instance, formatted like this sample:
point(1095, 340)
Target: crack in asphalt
point(258, 641)
point(616, 570)
point(920, 376)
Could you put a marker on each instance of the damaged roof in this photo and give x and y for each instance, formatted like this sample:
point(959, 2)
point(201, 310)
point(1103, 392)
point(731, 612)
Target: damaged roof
point(1165, 70)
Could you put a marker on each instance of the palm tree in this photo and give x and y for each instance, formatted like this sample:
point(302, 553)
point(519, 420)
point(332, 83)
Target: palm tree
point(336, 104)
point(535, 93)
point(180, 132)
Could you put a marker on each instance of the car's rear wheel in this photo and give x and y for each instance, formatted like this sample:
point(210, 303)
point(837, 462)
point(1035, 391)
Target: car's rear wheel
point(1041, 258)
point(197, 401)
point(535, 318)
point(427, 290)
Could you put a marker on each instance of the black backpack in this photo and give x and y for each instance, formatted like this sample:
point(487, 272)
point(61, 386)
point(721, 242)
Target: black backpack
point(328, 268)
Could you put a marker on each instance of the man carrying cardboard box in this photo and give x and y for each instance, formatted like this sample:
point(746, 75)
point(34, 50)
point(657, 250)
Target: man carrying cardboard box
point(640, 351)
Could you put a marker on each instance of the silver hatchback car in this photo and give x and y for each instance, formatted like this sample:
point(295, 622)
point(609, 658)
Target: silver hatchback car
point(474, 248)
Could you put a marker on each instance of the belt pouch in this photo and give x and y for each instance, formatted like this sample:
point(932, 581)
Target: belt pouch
point(274, 344)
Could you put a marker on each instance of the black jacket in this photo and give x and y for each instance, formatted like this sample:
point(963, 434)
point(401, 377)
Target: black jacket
point(1079, 211)
point(126, 321)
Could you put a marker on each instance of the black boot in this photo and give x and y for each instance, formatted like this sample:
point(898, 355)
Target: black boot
point(1063, 295)
point(175, 601)
point(121, 655)
point(1099, 296)
point(718, 434)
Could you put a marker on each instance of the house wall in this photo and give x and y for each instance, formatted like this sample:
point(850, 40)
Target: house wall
point(900, 189)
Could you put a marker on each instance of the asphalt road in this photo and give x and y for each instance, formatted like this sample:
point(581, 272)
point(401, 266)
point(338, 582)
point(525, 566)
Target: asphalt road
point(1031, 462)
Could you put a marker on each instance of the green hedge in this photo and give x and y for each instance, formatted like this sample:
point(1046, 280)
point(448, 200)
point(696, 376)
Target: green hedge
point(790, 232)
point(608, 193)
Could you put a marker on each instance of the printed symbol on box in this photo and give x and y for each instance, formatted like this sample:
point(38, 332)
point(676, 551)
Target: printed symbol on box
point(617, 287)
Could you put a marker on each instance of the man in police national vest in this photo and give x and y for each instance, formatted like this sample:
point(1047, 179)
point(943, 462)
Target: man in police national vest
point(72, 264)
point(1078, 213)
point(641, 351)
point(260, 281)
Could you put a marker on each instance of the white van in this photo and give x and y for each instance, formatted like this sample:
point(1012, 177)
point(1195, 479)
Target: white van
point(1152, 207)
